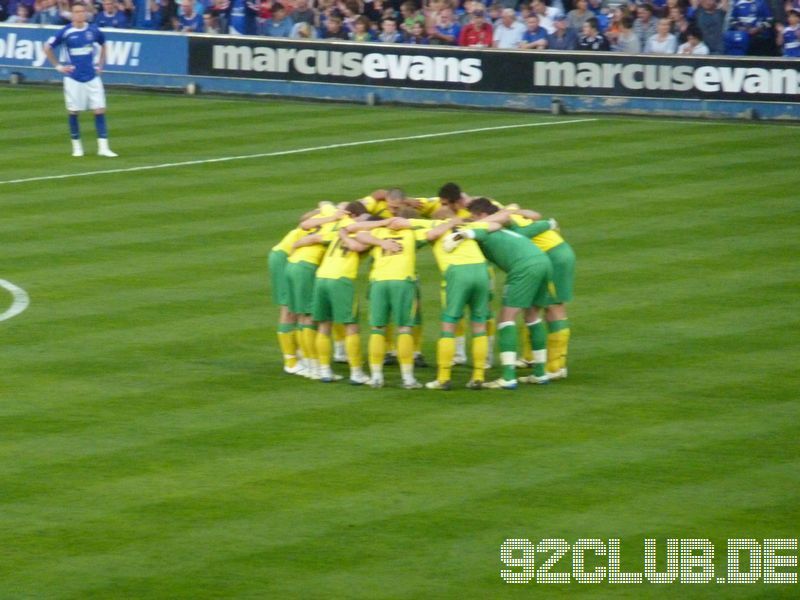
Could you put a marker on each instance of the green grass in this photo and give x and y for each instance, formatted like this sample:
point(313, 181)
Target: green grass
point(150, 446)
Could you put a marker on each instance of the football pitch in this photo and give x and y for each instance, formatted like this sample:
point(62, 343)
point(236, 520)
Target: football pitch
point(151, 447)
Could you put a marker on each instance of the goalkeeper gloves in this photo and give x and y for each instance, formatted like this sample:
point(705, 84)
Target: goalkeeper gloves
point(553, 224)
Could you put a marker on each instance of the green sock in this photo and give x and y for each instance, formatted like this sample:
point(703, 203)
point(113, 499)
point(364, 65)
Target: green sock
point(539, 346)
point(507, 343)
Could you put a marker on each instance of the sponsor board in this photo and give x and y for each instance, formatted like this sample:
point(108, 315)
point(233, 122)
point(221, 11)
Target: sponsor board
point(126, 51)
point(437, 67)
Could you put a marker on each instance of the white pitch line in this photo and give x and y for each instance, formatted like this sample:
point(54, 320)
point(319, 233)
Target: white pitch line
point(188, 163)
point(21, 300)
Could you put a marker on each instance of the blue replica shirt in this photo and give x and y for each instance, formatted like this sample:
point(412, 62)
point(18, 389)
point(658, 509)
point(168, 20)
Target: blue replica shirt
point(193, 23)
point(750, 13)
point(79, 44)
point(791, 41)
point(118, 20)
point(453, 29)
point(534, 36)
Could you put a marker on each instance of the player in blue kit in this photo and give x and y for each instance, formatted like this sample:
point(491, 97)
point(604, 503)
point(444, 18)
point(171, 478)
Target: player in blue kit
point(83, 89)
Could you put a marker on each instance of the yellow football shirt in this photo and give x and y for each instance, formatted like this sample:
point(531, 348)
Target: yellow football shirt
point(377, 208)
point(285, 245)
point(546, 240)
point(398, 265)
point(338, 260)
point(466, 253)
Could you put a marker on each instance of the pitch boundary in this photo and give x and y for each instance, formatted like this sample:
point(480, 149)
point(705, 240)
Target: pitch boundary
point(189, 163)
point(20, 303)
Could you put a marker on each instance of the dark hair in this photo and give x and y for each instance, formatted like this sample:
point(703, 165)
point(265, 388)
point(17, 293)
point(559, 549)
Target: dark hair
point(480, 206)
point(450, 192)
point(278, 6)
point(592, 22)
point(627, 21)
point(355, 208)
point(694, 31)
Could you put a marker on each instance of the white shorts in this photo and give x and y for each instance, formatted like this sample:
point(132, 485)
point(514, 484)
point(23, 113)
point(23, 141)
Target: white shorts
point(88, 95)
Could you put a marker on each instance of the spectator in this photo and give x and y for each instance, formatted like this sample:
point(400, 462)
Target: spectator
point(627, 40)
point(592, 39)
point(220, 10)
point(410, 15)
point(710, 20)
point(563, 38)
point(646, 25)
point(446, 31)
point(361, 31)
point(754, 18)
point(333, 29)
point(189, 21)
point(45, 12)
point(614, 28)
point(303, 13)
point(508, 32)
point(303, 31)
point(680, 24)
point(210, 24)
point(22, 15)
point(663, 42)
point(579, 15)
point(278, 25)
point(546, 15)
point(389, 33)
point(477, 33)
point(111, 16)
point(350, 10)
point(417, 35)
point(694, 43)
point(374, 10)
point(494, 13)
point(788, 36)
point(535, 36)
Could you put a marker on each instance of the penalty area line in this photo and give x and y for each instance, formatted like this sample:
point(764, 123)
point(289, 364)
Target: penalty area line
point(20, 303)
point(205, 161)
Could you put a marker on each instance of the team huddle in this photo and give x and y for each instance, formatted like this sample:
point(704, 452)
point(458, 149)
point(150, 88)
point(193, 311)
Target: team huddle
point(314, 271)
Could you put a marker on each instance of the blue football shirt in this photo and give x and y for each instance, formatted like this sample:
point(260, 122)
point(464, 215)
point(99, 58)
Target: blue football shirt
point(79, 44)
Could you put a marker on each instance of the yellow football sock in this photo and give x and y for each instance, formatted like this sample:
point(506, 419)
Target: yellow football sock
point(338, 332)
point(405, 349)
point(564, 347)
point(527, 350)
point(480, 350)
point(309, 342)
point(389, 343)
point(491, 327)
point(557, 343)
point(288, 345)
point(376, 351)
point(445, 351)
point(416, 334)
point(352, 345)
point(324, 348)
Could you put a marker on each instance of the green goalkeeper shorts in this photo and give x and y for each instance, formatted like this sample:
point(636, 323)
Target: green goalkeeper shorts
point(465, 286)
point(529, 283)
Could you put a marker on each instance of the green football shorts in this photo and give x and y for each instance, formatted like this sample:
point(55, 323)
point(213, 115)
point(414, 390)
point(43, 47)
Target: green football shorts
point(300, 278)
point(335, 300)
point(396, 298)
point(563, 259)
point(466, 285)
point(529, 283)
point(277, 276)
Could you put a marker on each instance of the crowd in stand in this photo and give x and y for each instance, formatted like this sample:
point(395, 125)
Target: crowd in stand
point(729, 27)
